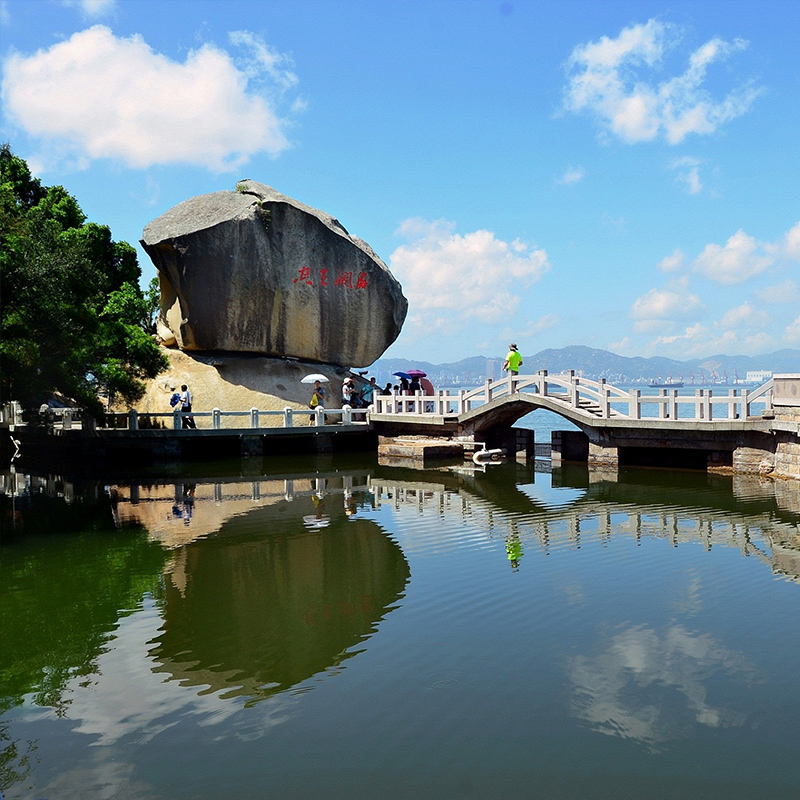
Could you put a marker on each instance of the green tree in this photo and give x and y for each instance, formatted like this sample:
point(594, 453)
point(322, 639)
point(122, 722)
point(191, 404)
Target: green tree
point(74, 319)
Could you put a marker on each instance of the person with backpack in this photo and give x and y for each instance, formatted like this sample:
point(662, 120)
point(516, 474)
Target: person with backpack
point(186, 406)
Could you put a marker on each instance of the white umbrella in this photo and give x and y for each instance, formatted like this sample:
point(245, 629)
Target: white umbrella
point(314, 376)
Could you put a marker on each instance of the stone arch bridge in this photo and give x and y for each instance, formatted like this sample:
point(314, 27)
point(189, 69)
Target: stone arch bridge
point(710, 428)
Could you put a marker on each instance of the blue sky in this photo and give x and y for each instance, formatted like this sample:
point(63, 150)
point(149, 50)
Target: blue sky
point(622, 175)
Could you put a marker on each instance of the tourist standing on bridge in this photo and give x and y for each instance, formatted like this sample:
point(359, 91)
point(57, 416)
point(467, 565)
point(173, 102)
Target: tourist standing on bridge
point(186, 407)
point(317, 399)
point(512, 364)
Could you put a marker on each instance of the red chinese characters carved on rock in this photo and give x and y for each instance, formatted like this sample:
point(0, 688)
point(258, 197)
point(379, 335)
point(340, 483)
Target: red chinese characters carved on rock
point(343, 279)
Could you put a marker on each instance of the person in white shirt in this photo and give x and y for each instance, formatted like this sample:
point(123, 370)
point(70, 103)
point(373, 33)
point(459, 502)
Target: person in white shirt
point(186, 405)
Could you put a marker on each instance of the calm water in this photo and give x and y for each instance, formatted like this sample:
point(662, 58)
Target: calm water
point(335, 628)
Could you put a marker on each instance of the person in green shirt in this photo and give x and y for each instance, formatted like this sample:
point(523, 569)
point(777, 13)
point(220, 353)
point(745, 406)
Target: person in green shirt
point(512, 363)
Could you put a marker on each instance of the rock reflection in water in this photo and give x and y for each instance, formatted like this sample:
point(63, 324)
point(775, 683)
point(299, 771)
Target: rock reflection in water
point(264, 600)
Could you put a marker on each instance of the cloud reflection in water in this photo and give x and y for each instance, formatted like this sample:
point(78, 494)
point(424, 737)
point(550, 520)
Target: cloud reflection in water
point(653, 686)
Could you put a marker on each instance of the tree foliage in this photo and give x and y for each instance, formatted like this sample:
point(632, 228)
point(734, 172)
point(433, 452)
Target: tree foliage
point(74, 320)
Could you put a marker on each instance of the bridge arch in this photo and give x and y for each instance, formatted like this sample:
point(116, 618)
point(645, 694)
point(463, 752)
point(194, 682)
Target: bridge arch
point(503, 412)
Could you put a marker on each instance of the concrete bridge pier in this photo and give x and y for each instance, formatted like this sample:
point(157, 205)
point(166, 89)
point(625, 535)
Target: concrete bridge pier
point(603, 454)
point(598, 451)
point(517, 442)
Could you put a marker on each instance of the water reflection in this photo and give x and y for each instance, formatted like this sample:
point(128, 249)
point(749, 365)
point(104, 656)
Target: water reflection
point(647, 683)
point(290, 582)
point(759, 518)
point(68, 577)
point(651, 685)
point(579, 616)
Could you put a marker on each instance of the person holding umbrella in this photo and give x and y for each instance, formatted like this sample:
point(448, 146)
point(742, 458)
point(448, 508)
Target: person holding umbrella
point(404, 378)
point(317, 398)
point(319, 394)
point(418, 384)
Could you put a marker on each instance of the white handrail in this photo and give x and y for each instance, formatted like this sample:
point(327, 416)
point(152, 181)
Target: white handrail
point(253, 418)
point(589, 398)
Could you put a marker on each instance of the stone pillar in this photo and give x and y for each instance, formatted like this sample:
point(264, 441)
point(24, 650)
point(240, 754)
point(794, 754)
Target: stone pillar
point(569, 446)
point(719, 461)
point(605, 454)
point(786, 426)
point(524, 445)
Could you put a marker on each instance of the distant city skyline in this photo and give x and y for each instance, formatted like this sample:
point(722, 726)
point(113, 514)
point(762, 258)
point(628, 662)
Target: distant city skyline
point(622, 176)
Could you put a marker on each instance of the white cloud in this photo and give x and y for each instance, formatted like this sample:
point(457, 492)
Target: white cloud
point(267, 60)
point(608, 79)
point(672, 262)
point(456, 280)
point(702, 340)
point(91, 8)
point(5, 14)
point(544, 323)
point(622, 347)
point(100, 96)
point(780, 293)
point(744, 315)
point(688, 170)
point(572, 175)
point(792, 332)
point(697, 339)
point(666, 304)
point(613, 689)
point(758, 342)
point(741, 258)
point(791, 243)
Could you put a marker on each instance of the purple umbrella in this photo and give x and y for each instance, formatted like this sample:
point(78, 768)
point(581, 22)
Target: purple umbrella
point(417, 373)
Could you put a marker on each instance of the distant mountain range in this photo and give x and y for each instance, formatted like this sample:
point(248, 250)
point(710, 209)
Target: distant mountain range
point(593, 363)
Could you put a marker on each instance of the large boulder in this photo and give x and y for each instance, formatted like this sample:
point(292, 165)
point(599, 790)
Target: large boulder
point(258, 272)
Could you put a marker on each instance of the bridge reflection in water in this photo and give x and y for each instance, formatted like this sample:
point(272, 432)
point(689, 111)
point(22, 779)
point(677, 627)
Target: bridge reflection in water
point(604, 508)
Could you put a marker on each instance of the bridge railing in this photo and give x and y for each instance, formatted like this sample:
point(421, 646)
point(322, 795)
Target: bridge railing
point(252, 419)
point(594, 399)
